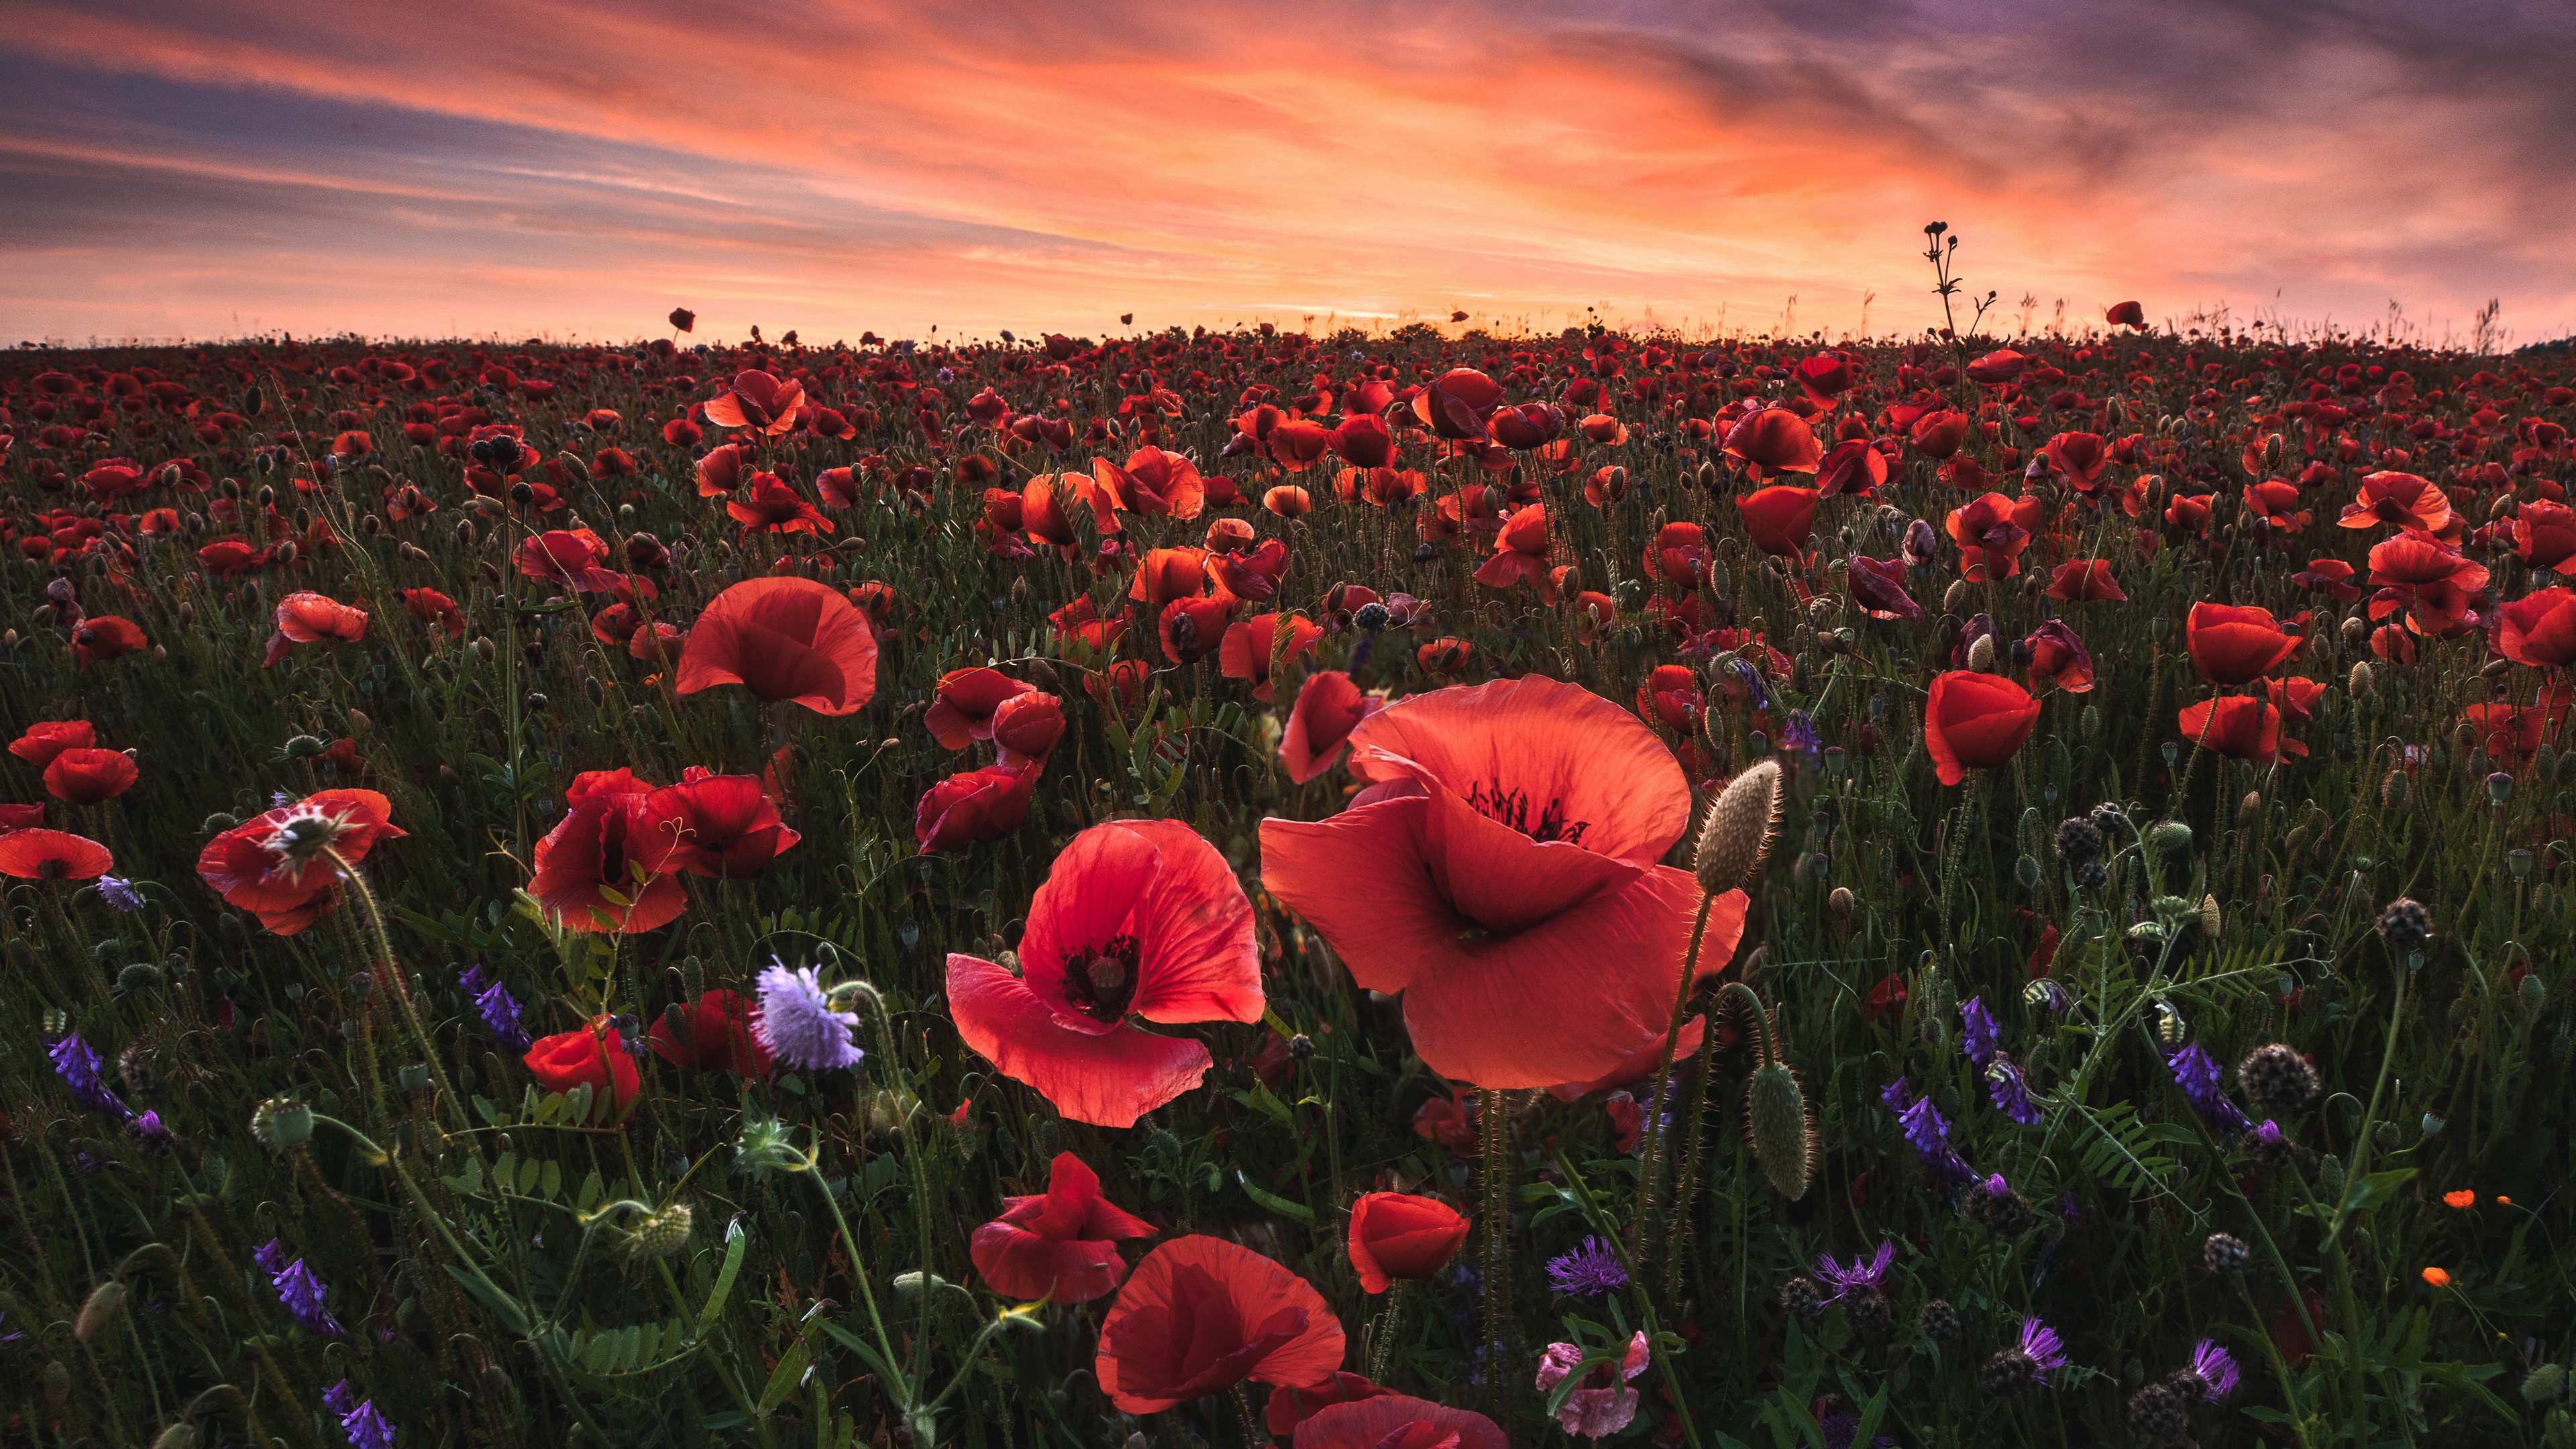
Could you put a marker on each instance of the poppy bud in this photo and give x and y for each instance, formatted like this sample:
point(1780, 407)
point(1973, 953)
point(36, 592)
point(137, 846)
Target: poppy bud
point(105, 1304)
point(286, 552)
point(2362, 683)
point(1738, 831)
point(1780, 1129)
point(2356, 631)
point(1841, 903)
point(465, 532)
point(1956, 597)
point(1981, 654)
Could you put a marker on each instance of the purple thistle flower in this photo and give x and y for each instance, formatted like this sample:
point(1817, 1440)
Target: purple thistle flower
point(302, 1293)
point(77, 1065)
point(2010, 1092)
point(120, 893)
point(2216, 1371)
point(2040, 1343)
point(150, 1128)
point(2197, 1074)
point(1589, 1271)
point(367, 1428)
point(1863, 1273)
point(797, 1023)
point(1981, 1038)
point(340, 1398)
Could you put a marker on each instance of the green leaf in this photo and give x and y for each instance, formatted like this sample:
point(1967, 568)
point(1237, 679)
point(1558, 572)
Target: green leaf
point(2375, 1189)
point(513, 1317)
point(782, 1379)
point(735, 1241)
point(886, 1373)
point(1274, 1203)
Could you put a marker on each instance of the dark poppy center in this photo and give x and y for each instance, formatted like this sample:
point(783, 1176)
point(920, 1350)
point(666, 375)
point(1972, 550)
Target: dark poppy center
point(1100, 980)
point(1512, 808)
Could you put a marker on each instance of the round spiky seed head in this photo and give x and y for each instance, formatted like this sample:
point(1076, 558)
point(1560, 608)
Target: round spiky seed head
point(1981, 654)
point(2544, 1384)
point(2395, 792)
point(2225, 1253)
point(282, 1124)
point(1939, 1321)
point(1780, 1129)
point(2406, 925)
point(1801, 1298)
point(2277, 1079)
point(1868, 1313)
point(105, 1303)
point(2006, 1214)
point(1738, 831)
point(2078, 840)
point(661, 1234)
point(2158, 1412)
point(2008, 1373)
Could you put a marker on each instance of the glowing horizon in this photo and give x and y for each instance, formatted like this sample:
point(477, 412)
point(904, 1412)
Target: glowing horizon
point(544, 169)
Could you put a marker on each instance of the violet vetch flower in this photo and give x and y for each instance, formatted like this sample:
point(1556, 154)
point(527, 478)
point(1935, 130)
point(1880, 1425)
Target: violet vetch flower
point(797, 1023)
point(2215, 1370)
point(340, 1398)
point(302, 1293)
point(120, 893)
point(1589, 1271)
point(1799, 733)
point(367, 1427)
point(1928, 1130)
point(77, 1065)
point(270, 1257)
point(2010, 1091)
point(2197, 1074)
point(499, 1010)
point(1863, 1272)
point(1979, 1036)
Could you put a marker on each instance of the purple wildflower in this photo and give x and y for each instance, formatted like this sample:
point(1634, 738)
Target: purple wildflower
point(149, 1127)
point(367, 1427)
point(270, 1257)
point(499, 1009)
point(2040, 1344)
point(1898, 1095)
point(120, 893)
point(340, 1398)
point(2010, 1091)
point(2215, 1370)
point(1981, 1038)
point(1930, 1133)
point(2197, 1074)
point(1799, 733)
point(1863, 1273)
point(797, 1023)
point(2047, 991)
point(302, 1293)
point(77, 1065)
point(1842, 1429)
point(1589, 1271)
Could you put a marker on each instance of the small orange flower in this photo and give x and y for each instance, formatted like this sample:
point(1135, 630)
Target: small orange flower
point(2437, 1277)
point(2461, 1199)
point(2503, 1201)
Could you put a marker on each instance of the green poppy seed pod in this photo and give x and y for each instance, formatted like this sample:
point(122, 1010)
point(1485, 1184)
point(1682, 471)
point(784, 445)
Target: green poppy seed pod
point(2385, 1134)
point(2161, 627)
point(1777, 1127)
point(2544, 1384)
point(58, 1385)
point(2499, 787)
point(2172, 835)
point(2432, 1124)
point(105, 1303)
point(2330, 1172)
point(42, 616)
point(2092, 721)
point(1739, 828)
point(2544, 762)
point(282, 1123)
point(2026, 870)
point(1981, 654)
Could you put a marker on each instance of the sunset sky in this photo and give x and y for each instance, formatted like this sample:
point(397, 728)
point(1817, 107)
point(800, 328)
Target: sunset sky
point(219, 167)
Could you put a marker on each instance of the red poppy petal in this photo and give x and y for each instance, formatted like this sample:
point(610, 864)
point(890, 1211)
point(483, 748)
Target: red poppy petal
point(1360, 879)
point(1108, 1079)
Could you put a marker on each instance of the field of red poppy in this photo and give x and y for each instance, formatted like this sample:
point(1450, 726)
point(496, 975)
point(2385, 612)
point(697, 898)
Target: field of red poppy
point(1378, 891)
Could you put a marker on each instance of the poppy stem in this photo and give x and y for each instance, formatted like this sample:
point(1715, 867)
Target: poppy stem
point(1646, 1163)
point(1498, 1226)
point(1390, 1324)
point(1254, 1435)
point(392, 975)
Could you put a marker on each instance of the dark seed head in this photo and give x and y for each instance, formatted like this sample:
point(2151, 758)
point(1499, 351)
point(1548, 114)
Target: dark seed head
point(1868, 1313)
point(2225, 1253)
point(1939, 1321)
point(2008, 1373)
point(2078, 841)
point(2406, 925)
point(2158, 1412)
point(1801, 1298)
point(2278, 1080)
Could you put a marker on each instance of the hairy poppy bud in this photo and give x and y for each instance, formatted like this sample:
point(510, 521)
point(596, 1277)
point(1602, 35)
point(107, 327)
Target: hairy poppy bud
point(105, 1303)
point(1739, 828)
point(1780, 1129)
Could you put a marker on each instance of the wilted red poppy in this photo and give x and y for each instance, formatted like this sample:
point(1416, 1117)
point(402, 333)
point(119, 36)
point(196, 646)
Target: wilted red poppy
point(2059, 657)
point(684, 319)
point(2078, 458)
point(86, 777)
point(1520, 554)
point(2239, 728)
point(105, 636)
point(47, 738)
point(593, 1057)
point(1502, 874)
point(2402, 499)
point(758, 400)
point(1879, 587)
point(2232, 645)
point(1774, 440)
point(714, 1035)
point(2544, 534)
point(2189, 511)
point(2540, 629)
point(274, 866)
point(1991, 531)
point(1397, 1235)
point(1060, 1245)
point(2083, 579)
point(962, 705)
point(1137, 918)
point(1328, 708)
point(1200, 1315)
point(607, 867)
point(1248, 649)
point(721, 826)
point(784, 638)
point(1457, 403)
point(41, 854)
point(977, 805)
point(1975, 721)
point(1780, 519)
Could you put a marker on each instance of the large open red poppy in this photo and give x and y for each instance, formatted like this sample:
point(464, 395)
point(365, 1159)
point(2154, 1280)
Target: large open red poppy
point(1779, 519)
point(41, 854)
point(306, 617)
point(2232, 645)
point(606, 866)
point(2429, 579)
point(571, 557)
point(86, 777)
point(258, 867)
point(2239, 728)
point(2540, 629)
point(963, 701)
point(1138, 918)
point(2402, 499)
point(974, 805)
point(1774, 440)
point(50, 737)
point(1200, 1315)
point(1975, 721)
point(721, 826)
point(1061, 1244)
point(1153, 482)
point(785, 639)
point(1502, 874)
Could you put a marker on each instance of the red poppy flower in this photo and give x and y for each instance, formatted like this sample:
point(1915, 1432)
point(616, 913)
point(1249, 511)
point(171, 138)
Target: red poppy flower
point(1290, 1407)
point(758, 400)
point(1774, 440)
point(2189, 511)
point(2085, 579)
point(2274, 504)
point(1520, 554)
point(1854, 466)
point(1991, 531)
point(1975, 722)
point(2431, 580)
point(1137, 918)
point(1536, 424)
point(1670, 695)
point(1288, 502)
point(1457, 403)
point(2126, 314)
point(1937, 435)
point(784, 638)
point(1248, 649)
point(2296, 698)
point(432, 607)
point(2538, 630)
point(1154, 483)
point(2402, 499)
point(976, 805)
point(2544, 534)
point(2233, 645)
point(607, 866)
point(1779, 519)
point(1060, 1245)
point(1997, 367)
point(20, 817)
point(1328, 708)
point(1200, 1315)
point(1026, 728)
point(570, 557)
point(1679, 555)
point(2239, 728)
point(2512, 736)
point(310, 618)
point(86, 777)
point(1879, 587)
point(1502, 875)
point(773, 507)
point(2329, 576)
point(105, 636)
point(593, 1057)
point(962, 705)
point(1394, 1421)
point(41, 854)
point(720, 471)
point(1165, 574)
point(2059, 657)
point(714, 1035)
point(2078, 458)
point(1397, 1235)
point(721, 826)
point(47, 738)
point(268, 865)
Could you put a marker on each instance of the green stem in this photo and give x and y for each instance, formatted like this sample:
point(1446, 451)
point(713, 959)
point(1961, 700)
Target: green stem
point(391, 973)
point(1498, 1224)
point(1649, 1159)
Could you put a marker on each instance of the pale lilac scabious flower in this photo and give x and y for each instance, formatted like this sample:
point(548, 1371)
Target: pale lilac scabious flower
point(797, 1023)
point(1603, 1404)
point(2215, 1370)
point(1863, 1272)
point(2197, 1074)
point(120, 893)
point(1979, 1037)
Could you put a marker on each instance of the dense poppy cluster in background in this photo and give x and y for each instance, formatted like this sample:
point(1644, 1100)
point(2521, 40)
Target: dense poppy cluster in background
point(1387, 890)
